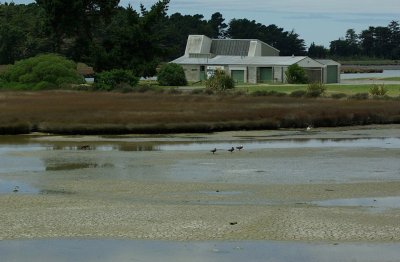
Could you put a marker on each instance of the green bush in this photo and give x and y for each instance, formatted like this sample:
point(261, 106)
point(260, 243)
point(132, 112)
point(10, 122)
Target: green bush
point(338, 95)
point(171, 75)
point(315, 89)
point(42, 72)
point(268, 93)
point(115, 79)
point(378, 90)
point(296, 75)
point(298, 93)
point(220, 81)
point(359, 96)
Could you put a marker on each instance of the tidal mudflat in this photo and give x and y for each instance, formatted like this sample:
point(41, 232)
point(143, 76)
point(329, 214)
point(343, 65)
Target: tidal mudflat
point(282, 186)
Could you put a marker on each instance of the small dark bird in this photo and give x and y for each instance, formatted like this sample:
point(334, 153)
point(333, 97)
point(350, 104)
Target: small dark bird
point(214, 150)
point(239, 147)
point(84, 147)
point(231, 150)
point(16, 189)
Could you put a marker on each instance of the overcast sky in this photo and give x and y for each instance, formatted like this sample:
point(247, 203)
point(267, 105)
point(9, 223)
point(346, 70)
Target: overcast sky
point(319, 21)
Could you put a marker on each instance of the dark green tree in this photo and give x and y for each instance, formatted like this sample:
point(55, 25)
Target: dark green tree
point(288, 43)
point(218, 26)
point(317, 51)
point(71, 23)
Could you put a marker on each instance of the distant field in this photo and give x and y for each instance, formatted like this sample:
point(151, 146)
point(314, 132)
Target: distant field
point(68, 112)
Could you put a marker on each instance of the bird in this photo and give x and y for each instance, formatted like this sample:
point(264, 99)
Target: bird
point(84, 147)
point(239, 147)
point(16, 189)
point(213, 151)
point(231, 149)
point(309, 128)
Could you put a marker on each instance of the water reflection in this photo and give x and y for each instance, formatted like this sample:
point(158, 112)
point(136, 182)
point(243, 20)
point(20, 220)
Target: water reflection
point(12, 158)
point(378, 203)
point(232, 251)
point(247, 144)
point(384, 74)
point(7, 186)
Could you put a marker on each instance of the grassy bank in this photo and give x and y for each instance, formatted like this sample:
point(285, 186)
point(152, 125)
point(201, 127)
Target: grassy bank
point(368, 62)
point(116, 113)
point(393, 90)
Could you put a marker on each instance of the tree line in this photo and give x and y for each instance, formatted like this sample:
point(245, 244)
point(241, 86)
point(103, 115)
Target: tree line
point(381, 42)
point(105, 35)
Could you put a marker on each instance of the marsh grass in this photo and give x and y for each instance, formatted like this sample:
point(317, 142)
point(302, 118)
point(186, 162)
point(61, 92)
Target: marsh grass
point(71, 112)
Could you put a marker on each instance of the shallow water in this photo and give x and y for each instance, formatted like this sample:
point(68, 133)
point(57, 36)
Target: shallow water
point(373, 203)
point(232, 251)
point(288, 161)
point(46, 168)
point(385, 73)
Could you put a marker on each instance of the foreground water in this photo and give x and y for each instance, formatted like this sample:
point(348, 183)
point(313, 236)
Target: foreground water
point(233, 251)
point(279, 187)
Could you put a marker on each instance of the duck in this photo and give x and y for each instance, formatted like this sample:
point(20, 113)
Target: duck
point(231, 149)
point(16, 189)
point(213, 151)
point(239, 147)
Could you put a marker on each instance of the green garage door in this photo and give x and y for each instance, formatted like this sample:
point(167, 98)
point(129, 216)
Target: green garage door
point(266, 74)
point(332, 74)
point(238, 76)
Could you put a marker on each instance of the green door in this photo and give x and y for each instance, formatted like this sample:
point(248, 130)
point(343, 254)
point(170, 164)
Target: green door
point(332, 74)
point(203, 73)
point(266, 74)
point(237, 76)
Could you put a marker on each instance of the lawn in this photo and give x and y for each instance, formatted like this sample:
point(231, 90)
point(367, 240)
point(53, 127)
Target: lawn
point(393, 90)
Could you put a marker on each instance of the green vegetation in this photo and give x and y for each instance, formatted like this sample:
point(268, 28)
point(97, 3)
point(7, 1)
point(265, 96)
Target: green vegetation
point(171, 75)
point(115, 79)
point(41, 72)
point(220, 81)
point(378, 90)
point(393, 90)
point(296, 75)
point(315, 89)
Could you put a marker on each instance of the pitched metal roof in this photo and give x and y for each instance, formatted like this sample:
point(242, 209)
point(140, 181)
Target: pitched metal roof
point(241, 60)
point(327, 62)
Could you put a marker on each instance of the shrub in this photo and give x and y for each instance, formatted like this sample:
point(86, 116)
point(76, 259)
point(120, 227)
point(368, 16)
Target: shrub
point(114, 79)
point(171, 75)
point(338, 95)
point(315, 89)
point(197, 91)
point(359, 96)
point(298, 93)
point(296, 75)
point(220, 81)
point(268, 93)
point(42, 72)
point(378, 90)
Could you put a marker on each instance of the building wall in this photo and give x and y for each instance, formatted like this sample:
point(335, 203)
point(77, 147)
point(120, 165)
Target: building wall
point(192, 72)
point(278, 74)
point(252, 75)
point(198, 44)
point(268, 51)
